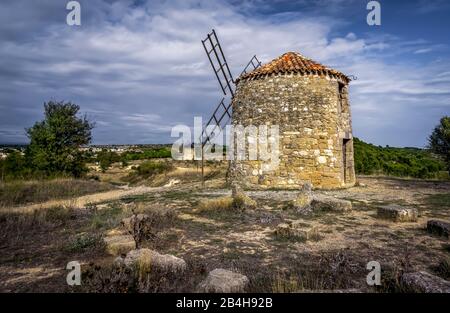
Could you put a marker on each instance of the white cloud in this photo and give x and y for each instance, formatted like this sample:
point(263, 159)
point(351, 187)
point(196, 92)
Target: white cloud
point(143, 67)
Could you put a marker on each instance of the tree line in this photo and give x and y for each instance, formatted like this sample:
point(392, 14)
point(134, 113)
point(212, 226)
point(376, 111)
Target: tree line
point(55, 142)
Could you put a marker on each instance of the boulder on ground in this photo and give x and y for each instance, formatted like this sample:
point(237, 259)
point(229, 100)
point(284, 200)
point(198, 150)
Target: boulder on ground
point(296, 230)
point(302, 204)
point(241, 200)
point(328, 203)
point(119, 244)
point(438, 227)
point(397, 213)
point(147, 260)
point(223, 281)
point(425, 282)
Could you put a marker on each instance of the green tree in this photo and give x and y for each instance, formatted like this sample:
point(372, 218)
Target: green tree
point(55, 142)
point(13, 166)
point(106, 158)
point(439, 140)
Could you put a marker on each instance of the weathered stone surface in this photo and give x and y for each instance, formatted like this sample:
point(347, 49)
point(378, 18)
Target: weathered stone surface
point(425, 282)
point(438, 227)
point(223, 281)
point(240, 199)
point(397, 213)
point(147, 260)
point(119, 244)
point(296, 230)
point(315, 133)
point(323, 202)
point(302, 204)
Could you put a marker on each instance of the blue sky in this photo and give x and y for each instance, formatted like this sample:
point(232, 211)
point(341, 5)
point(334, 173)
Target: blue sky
point(138, 67)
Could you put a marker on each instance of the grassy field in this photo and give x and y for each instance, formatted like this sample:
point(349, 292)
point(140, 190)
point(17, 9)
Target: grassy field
point(197, 225)
point(24, 192)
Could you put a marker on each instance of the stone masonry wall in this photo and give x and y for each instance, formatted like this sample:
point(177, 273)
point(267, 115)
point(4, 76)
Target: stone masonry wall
point(313, 115)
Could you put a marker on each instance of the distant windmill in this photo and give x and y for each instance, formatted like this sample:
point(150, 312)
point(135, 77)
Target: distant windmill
point(222, 113)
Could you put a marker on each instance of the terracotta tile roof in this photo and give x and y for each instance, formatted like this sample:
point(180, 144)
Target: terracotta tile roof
point(293, 62)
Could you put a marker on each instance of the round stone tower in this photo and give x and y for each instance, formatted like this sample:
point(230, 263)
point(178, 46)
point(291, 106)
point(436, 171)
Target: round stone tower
point(309, 103)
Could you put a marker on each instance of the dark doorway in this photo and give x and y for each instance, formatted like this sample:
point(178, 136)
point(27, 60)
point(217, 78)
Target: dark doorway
point(344, 158)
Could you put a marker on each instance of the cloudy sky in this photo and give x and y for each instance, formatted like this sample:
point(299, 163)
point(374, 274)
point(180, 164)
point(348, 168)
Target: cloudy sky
point(138, 68)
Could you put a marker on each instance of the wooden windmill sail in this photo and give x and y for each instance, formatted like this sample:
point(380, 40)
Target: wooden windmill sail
point(223, 111)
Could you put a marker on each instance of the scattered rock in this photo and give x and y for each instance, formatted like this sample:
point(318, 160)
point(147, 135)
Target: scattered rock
point(322, 202)
point(119, 244)
point(236, 189)
point(223, 281)
point(438, 227)
point(296, 230)
point(359, 184)
point(172, 182)
point(302, 204)
point(146, 259)
point(397, 213)
point(425, 282)
point(241, 200)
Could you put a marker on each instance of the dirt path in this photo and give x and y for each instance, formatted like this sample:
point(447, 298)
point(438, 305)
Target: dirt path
point(81, 202)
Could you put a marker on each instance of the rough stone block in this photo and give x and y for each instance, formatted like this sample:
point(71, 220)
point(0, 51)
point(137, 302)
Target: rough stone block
point(437, 227)
point(223, 281)
point(425, 282)
point(147, 260)
point(119, 244)
point(397, 213)
point(322, 202)
point(240, 199)
point(296, 230)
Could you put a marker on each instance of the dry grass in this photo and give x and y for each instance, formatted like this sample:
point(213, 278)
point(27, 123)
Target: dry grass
point(219, 204)
point(24, 192)
point(15, 224)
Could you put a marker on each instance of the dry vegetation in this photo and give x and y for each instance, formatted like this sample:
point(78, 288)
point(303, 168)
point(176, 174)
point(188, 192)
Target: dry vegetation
point(24, 192)
point(203, 227)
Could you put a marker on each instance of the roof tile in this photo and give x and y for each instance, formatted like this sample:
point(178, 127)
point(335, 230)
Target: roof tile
point(292, 62)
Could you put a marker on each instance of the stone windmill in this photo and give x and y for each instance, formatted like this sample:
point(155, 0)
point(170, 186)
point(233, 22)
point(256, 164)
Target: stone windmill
point(309, 103)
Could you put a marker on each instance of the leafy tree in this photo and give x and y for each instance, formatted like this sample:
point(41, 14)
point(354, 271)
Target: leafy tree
point(105, 158)
point(13, 166)
point(439, 140)
point(55, 142)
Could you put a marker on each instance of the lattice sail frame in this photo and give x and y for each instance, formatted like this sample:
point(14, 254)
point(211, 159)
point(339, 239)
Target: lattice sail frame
point(222, 113)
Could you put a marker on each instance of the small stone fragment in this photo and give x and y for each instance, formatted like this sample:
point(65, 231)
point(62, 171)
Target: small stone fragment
point(223, 281)
point(146, 260)
point(425, 282)
point(437, 227)
point(322, 202)
point(397, 213)
point(296, 230)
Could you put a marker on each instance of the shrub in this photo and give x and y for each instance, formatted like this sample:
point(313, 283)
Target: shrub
point(410, 162)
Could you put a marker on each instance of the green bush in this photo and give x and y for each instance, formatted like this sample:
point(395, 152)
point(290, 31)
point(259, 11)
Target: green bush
point(151, 168)
point(150, 153)
point(406, 162)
